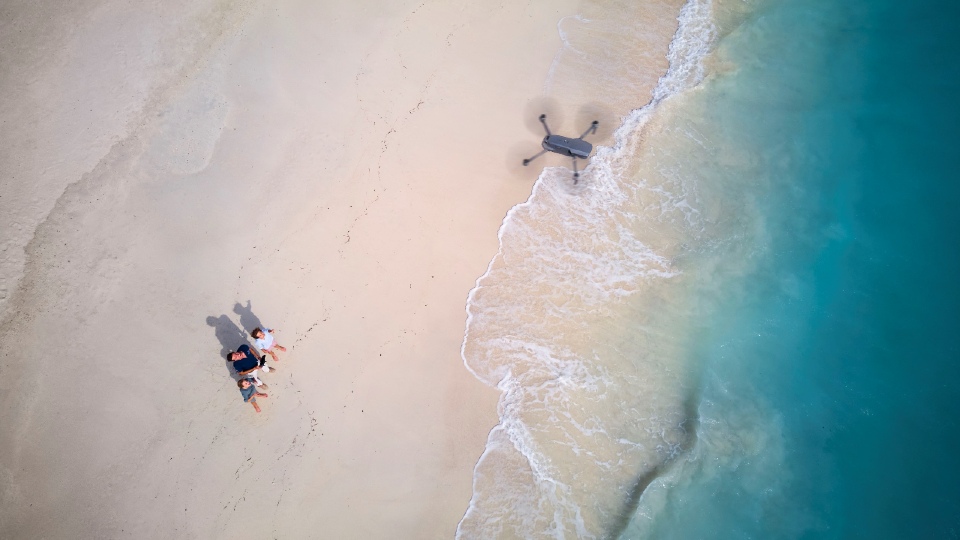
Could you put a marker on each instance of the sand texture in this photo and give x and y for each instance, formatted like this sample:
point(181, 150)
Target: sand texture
point(176, 174)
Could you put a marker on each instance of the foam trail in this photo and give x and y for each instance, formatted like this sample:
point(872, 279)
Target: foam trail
point(566, 46)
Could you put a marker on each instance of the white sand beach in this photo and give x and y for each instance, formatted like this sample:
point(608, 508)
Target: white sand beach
point(174, 175)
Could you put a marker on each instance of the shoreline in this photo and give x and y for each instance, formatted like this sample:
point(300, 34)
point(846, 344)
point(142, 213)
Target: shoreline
point(529, 479)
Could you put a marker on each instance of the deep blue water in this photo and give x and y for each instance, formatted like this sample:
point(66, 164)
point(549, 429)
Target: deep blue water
point(846, 333)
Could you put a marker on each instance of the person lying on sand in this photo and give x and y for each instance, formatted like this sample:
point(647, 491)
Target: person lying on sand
point(264, 342)
point(249, 392)
point(246, 364)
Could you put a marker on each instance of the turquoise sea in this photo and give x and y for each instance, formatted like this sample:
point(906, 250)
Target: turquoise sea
point(846, 332)
point(743, 322)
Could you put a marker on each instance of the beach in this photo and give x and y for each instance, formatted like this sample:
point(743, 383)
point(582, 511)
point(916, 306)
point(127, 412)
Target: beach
point(737, 321)
point(175, 176)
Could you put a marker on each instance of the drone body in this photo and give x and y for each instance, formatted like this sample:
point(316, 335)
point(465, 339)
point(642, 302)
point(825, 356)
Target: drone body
point(565, 146)
point(576, 148)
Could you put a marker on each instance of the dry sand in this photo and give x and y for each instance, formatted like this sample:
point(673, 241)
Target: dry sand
point(174, 175)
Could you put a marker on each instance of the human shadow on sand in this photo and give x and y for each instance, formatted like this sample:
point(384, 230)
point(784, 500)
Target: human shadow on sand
point(248, 320)
point(230, 337)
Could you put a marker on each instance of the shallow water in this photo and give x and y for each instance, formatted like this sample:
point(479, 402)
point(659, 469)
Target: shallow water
point(827, 399)
point(741, 322)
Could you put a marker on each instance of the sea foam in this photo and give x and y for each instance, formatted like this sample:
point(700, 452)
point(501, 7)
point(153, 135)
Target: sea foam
point(592, 399)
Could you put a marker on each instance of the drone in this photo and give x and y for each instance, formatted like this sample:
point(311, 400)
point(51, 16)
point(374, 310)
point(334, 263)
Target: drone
point(565, 146)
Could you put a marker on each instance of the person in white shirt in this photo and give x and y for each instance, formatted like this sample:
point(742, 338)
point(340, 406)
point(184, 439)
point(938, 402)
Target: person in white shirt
point(265, 344)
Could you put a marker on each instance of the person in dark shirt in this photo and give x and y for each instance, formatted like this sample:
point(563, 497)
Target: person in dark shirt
point(249, 392)
point(246, 364)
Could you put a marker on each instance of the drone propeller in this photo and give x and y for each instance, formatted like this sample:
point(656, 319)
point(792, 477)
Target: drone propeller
point(601, 113)
point(591, 129)
point(544, 105)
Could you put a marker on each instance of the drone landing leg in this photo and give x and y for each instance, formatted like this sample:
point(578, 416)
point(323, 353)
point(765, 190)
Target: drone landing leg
point(576, 175)
point(535, 156)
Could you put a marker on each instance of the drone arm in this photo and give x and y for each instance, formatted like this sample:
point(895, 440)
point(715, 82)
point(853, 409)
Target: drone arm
point(543, 120)
point(533, 157)
point(591, 129)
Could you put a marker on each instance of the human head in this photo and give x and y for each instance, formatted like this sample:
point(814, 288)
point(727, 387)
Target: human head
point(234, 355)
point(257, 333)
point(243, 383)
